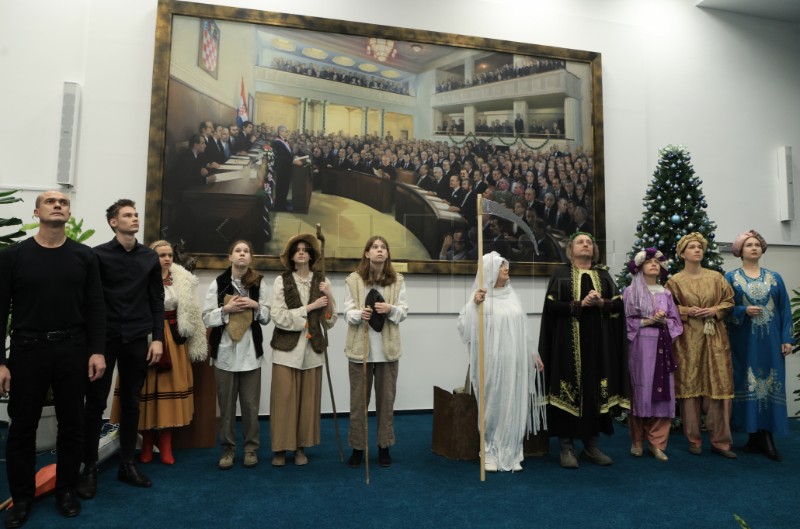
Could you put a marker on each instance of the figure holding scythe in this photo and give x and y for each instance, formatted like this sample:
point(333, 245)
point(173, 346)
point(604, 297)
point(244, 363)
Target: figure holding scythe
point(507, 373)
point(302, 303)
point(374, 306)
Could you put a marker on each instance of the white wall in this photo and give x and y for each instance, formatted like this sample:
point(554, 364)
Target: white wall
point(724, 85)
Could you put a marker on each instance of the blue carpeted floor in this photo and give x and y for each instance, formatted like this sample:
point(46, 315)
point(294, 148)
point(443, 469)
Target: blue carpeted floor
point(422, 489)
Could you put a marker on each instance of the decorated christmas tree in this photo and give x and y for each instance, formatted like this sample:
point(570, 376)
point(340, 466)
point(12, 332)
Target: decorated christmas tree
point(674, 206)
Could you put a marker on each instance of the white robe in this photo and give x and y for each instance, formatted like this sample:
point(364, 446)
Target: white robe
point(514, 388)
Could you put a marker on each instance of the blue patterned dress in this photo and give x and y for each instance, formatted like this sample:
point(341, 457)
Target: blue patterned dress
point(759, 370)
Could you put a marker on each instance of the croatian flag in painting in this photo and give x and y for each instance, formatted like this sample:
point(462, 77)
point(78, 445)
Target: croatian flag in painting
point(242, 115)
point(210, 45)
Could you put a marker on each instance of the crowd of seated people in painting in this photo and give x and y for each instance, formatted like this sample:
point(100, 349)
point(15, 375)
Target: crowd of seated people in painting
point(504, 73)
point(549, 188)
point(339, 75)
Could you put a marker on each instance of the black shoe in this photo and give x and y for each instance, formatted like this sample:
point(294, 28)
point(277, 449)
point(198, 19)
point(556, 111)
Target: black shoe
point(87, 486)
point(68, 505)
point(384, 459)
point(753, 445)
point(129, 474)
point(355, 458)
point(17, 515)
point(768, 446)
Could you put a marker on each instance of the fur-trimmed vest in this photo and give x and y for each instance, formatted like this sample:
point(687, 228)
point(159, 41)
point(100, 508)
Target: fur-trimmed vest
point(283, 340)
point(189, 314)
point(355, 342)
point(225, 286)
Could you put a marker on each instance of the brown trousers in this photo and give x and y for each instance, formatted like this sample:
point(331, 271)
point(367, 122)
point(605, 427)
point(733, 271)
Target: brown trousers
point(718, 421)
point(385, 377)
point(294, 403)
point(655, 430)
point(246, 386)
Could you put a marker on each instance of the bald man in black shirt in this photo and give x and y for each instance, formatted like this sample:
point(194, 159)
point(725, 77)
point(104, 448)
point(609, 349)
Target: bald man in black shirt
point(57, 330)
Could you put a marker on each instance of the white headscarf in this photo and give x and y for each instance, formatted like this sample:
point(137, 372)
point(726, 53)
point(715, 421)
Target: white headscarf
point(491, 263)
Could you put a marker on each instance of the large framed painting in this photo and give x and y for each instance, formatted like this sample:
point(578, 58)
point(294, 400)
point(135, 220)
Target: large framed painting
point(367, 130)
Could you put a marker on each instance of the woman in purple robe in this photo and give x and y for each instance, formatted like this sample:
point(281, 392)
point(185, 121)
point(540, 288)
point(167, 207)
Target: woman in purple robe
point(653, 322)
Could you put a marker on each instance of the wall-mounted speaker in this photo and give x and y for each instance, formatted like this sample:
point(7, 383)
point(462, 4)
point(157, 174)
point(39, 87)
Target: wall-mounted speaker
point(68, 142)
point(785, 184)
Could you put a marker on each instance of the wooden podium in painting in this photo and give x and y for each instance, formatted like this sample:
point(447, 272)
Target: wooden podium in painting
point(202, 432)
point(455, 428)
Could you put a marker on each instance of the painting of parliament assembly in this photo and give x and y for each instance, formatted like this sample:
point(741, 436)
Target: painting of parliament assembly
point(264, 125)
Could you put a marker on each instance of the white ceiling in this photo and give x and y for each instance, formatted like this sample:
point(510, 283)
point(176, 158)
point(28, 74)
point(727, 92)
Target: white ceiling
point(782, 10)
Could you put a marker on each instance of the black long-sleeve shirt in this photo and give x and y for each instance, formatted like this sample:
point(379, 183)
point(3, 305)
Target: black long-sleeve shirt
point(52, 289)
point(134, 292)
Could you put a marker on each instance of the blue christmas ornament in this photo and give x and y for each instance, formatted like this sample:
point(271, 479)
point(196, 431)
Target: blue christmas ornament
point(662, 208)
point(675, 219)
point(704, 204)
point(690, 225)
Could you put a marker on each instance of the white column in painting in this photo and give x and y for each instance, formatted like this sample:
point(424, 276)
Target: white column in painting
point(469, 69)
point(438, 118)
point(469, 119)
point(572, 121)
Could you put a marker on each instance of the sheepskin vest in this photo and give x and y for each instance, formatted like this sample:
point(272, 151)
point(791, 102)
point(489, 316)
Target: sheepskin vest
point(225, 286)
point(355, 342)
point(287, 340)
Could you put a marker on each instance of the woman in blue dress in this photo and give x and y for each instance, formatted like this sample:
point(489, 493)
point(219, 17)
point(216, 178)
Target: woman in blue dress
point(760, 336)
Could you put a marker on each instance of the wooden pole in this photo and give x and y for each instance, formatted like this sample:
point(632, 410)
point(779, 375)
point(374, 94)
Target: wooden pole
point(325, 351)
point(366, 403)
point(481, 387)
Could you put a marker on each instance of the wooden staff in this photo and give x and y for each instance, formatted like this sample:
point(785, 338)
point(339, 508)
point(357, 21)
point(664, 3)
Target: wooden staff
point(481, 387)
point(325, 350)
point(366, 402)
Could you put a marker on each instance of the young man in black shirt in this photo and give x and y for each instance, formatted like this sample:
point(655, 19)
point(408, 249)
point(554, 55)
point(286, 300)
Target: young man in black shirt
point(57, 327)
point(134, 297)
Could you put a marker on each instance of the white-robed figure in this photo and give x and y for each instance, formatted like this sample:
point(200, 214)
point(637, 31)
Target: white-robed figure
point(513, 370)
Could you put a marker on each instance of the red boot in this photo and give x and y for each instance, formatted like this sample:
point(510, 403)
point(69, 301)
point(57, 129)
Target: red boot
point(147, 446)
point(165, 446)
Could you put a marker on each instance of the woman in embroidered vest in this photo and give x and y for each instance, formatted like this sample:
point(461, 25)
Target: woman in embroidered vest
point(302, 301)
point(653, 323)
point(514, 382)
point(374, 303)
point(167, 399)
point(704, 378)
point(761, 337)
point(235, 308)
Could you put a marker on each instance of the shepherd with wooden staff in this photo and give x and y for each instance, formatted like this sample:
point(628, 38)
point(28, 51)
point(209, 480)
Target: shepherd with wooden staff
point(509, 380)
point(375, 300)
point(302, 305)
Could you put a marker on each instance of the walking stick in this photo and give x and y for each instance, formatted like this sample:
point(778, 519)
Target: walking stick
point(366, 402)
point(325, 351)
point(481, 387)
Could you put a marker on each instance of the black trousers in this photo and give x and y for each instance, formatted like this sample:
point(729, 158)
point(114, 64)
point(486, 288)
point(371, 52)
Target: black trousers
point(131, 361)
point(283, 181)
point(36, 365)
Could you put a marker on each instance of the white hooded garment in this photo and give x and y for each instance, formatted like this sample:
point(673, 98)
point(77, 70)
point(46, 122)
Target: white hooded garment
point(514, 388)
